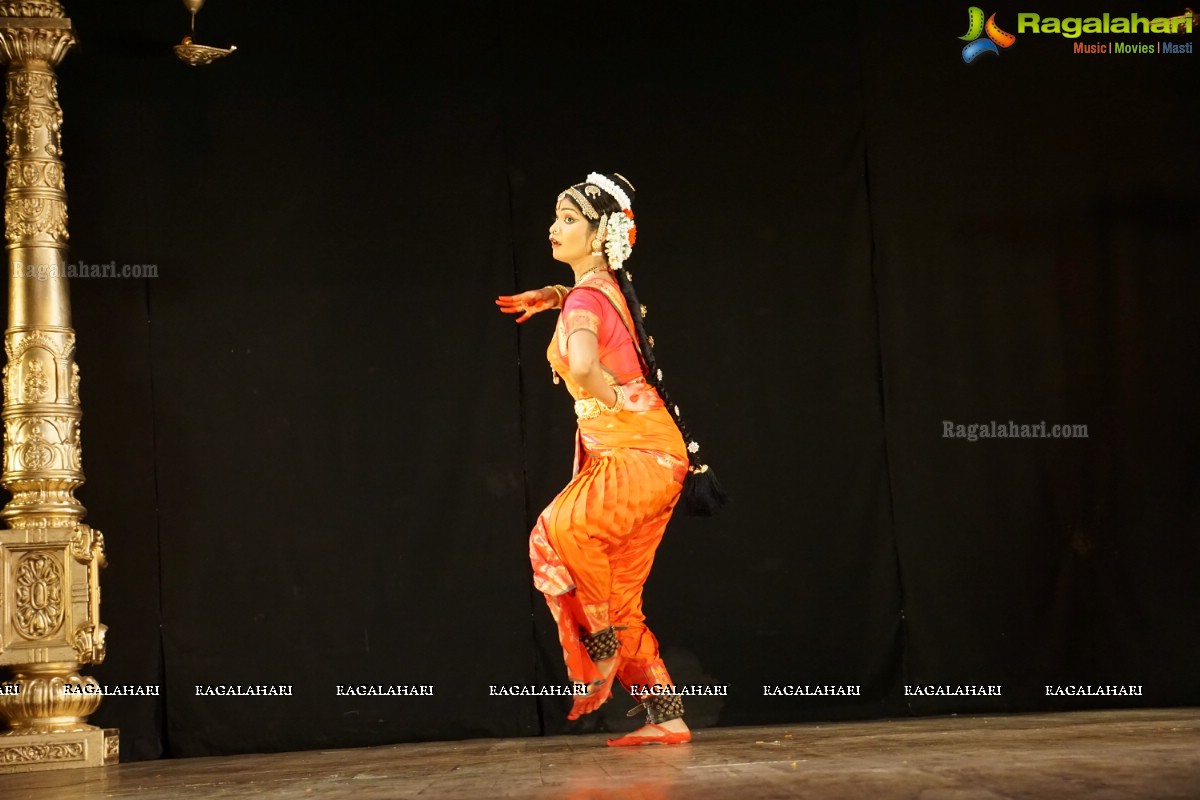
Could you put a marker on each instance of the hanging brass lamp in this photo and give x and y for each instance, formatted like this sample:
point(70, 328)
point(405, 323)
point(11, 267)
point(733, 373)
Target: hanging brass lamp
point(198, 54)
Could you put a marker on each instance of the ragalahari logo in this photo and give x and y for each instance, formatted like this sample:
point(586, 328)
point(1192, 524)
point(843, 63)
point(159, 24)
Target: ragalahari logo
point(976, 27)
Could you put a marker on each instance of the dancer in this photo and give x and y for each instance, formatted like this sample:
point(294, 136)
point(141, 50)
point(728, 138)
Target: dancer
point(593, 546)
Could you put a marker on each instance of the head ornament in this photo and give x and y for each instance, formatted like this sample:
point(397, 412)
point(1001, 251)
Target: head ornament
point(585, 206)
point(610, 186)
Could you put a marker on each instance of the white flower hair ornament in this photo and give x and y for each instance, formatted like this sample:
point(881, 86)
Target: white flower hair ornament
point(619, 236)
point(610, 186)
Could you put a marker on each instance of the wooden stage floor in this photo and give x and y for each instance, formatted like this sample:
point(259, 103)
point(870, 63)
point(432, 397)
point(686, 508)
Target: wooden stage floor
point(1098, 755)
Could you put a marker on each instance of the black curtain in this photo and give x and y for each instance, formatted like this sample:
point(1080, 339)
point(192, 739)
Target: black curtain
point(316, 448)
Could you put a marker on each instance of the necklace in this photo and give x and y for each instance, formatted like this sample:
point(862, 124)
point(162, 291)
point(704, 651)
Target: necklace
point(579, 280)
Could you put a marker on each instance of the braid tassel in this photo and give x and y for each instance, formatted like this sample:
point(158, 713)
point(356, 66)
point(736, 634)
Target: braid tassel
point(702, 495)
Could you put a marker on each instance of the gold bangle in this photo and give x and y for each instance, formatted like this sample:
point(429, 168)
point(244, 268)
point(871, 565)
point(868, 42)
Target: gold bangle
point(560, 292)
point(618, 402)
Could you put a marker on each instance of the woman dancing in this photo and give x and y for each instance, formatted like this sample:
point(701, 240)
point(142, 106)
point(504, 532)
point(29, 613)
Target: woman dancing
point(593, 546)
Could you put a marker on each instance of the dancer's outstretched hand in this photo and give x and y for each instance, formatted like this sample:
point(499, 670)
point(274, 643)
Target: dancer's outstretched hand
point(528, 303)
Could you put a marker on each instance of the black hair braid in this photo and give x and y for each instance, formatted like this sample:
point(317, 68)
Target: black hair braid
point(649, 362)
point(702, 494)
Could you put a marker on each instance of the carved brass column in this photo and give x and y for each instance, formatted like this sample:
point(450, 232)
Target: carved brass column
point(49, 560)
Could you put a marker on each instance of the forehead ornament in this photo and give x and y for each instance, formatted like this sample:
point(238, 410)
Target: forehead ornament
point(587, 208)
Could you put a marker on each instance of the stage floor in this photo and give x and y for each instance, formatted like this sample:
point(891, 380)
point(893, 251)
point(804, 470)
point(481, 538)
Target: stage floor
point(1098, 755)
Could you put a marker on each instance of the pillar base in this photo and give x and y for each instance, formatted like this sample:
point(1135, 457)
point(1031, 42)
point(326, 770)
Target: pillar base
point(36, 752)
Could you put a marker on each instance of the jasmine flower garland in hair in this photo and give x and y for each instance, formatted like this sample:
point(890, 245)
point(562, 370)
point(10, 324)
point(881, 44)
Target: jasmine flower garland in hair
point(618, 240)
point(611, 187)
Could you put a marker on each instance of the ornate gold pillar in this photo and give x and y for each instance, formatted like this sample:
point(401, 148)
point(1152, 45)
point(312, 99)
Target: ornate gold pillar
point(49, 560)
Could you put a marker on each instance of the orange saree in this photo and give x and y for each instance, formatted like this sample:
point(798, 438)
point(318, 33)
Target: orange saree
point(593, 546)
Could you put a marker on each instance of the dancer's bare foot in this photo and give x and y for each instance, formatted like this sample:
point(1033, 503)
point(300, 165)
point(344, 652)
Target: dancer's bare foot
point(598, 693)
point(673, 731)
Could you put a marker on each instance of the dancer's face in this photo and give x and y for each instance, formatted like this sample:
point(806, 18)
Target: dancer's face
point(570, 235)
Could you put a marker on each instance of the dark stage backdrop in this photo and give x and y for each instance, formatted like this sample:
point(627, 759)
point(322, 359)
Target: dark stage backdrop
point(316, 448)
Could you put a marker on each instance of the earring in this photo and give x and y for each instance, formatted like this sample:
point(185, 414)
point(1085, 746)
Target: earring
point(596, 248)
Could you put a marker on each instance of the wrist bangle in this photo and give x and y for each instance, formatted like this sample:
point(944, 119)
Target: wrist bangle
point(618, 402)
point(560, 292)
